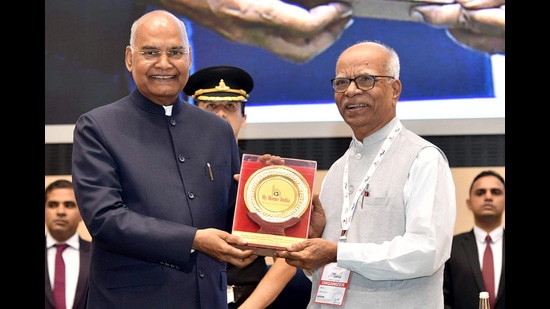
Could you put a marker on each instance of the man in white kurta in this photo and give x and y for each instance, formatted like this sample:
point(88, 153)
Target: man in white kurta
point(389, 202)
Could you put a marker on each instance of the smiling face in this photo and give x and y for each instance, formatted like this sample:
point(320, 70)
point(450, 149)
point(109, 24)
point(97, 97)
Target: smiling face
point(366, 111)
point(62, 215)
point(160, 78)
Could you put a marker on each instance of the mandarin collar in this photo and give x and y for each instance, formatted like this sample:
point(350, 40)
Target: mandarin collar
point(151, 107)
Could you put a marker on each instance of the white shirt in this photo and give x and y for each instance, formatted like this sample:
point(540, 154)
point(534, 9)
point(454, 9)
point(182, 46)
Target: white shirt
point(71, 256)
point(393, 260)
point(401, 235)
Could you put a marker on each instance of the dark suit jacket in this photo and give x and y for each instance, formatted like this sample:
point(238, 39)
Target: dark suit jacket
point(463, 280)
point(83, 275)
point(143, 188)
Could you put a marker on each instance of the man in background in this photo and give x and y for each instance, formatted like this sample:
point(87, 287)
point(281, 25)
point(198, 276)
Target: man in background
point(224, 90)
point(62, 220)
point(463, 271)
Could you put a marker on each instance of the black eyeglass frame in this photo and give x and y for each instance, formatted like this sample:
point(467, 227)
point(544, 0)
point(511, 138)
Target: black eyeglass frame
point(373, 77)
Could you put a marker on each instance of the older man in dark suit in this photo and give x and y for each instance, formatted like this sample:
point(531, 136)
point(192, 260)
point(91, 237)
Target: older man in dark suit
point(154, 179)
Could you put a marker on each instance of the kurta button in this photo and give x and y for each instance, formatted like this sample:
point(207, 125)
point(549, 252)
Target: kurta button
point(172, 122)
point(181, 158)
point(358, 156)
point(351, 189)
point(191, 195)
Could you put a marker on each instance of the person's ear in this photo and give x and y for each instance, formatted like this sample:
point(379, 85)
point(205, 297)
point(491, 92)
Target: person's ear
point(396, 87)
point(469, 204)
point(128, 58)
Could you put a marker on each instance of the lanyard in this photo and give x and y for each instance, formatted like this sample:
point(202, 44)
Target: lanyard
point(347, 209)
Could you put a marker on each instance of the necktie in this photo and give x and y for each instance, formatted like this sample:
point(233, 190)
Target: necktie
point(59, 278)
point(488, 271)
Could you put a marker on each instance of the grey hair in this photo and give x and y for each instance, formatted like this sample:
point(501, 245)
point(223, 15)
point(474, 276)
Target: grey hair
point(392, 65)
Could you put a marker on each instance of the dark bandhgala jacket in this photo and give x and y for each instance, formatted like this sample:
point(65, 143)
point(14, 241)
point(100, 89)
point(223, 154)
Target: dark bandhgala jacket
point(83, 275)
point(143, 185)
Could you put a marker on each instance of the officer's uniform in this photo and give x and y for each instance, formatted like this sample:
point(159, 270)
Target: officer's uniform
point(227, 83)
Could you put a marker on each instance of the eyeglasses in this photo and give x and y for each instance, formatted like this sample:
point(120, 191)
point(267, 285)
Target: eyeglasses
point(363, 82)
point(153, 54)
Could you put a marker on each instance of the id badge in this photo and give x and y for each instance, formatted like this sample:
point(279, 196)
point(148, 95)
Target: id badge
point(333, 285)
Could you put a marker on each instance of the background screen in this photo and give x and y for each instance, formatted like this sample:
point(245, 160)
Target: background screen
point(84, 61)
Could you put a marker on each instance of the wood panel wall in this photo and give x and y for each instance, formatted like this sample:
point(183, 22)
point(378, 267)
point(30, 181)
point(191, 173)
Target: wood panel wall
point(462, 177)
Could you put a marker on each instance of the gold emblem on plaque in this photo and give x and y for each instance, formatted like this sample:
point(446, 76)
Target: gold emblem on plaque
point(277, 193)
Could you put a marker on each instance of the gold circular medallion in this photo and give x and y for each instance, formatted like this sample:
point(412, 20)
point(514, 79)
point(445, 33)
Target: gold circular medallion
point(277, 193)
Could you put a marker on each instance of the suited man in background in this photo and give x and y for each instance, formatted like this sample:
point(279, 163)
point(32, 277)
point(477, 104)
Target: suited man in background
point(463, 279)
point(62, 220)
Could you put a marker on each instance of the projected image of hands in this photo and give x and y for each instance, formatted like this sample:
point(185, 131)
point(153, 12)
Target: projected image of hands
point(302, 29)
point(477, 24)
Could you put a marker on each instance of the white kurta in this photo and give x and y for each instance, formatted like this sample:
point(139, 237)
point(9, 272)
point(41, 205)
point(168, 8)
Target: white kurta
point(400, 235)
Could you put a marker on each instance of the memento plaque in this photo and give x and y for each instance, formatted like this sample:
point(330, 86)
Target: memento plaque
point(273, 203)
